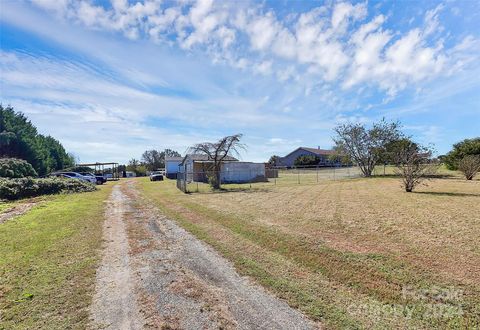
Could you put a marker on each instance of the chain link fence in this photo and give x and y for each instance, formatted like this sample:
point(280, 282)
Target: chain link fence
point(190, 182)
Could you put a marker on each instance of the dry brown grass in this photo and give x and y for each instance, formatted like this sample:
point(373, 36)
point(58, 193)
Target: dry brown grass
point(438, 226)
point(323, 247)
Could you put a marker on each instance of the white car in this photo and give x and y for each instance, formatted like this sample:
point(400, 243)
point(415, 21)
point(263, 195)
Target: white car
point(75, 175)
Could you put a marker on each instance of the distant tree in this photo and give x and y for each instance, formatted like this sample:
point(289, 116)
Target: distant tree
point(392, 148)
point(133, 165)
point(339, 156)
point(217, 152)
point(153, 159)
point(171, 153)
point(441, 158)
point(366, 146)
point(460, 150)
point(306, 160)
point(413, 164)
point(274, 160)
point(469, 166)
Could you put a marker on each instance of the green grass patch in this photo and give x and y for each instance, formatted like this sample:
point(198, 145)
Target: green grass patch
point(48, 259)
point(5, 206)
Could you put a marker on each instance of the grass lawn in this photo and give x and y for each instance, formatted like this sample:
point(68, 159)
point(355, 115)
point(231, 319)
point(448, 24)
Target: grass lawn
point(48, 259)
point(357, 253)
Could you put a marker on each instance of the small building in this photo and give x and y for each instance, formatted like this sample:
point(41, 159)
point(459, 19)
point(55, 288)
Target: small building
point(198, 168)
point(171, 166)
point(322, 154)
point(242, 172)
point(130, 174)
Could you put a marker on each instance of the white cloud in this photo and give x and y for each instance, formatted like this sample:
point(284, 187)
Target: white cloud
point(262, 30)
point(326, 42)
point(343, 11)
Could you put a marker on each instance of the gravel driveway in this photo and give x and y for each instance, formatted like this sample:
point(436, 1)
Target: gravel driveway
point(171, 280)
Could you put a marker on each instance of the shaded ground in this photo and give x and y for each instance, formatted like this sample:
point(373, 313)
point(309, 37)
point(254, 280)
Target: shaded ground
point(176, 281)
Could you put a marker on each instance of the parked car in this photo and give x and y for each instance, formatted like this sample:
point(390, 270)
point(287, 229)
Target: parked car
point(156, 176)
point(99, 179)
point(74, 175)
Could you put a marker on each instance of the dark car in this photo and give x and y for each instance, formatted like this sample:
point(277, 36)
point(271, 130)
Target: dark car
point(156, 176)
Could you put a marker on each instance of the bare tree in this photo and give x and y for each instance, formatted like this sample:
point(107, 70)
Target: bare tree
point(217, 152)
point(413, 164)
point(469, 166)
point(366, 146)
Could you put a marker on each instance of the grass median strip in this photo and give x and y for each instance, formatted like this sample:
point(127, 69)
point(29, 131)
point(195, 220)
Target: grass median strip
point(48, 259)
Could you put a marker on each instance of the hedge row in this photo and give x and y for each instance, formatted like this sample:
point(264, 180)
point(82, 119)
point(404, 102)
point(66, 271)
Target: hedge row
point(12, 189)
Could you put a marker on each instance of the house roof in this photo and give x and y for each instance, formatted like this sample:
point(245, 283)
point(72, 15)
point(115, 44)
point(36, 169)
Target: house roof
point(316, 151)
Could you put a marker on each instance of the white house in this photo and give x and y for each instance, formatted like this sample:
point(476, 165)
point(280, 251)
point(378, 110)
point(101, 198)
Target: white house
point(171, 166)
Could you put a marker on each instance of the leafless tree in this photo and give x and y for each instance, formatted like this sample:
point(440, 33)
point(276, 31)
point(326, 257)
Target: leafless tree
point(217, 152)
point(365, 146)
point(469, 166)
point(413, 164)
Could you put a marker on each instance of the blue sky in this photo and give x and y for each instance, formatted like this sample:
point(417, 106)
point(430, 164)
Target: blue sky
point(111, 79)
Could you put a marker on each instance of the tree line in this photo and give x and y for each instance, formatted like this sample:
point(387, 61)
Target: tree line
point(20, 139)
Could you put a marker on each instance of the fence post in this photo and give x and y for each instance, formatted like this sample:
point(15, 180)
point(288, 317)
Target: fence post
point(317, 174)
point(250, 179)
point(334, 173)
point(298, 175)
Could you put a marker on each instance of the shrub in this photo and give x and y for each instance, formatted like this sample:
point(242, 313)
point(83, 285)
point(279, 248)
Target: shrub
point(306, 160)
point(18, 188)
point(469, 166)
point(15, 168)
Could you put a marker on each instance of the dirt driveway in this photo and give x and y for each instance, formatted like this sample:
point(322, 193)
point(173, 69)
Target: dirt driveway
point(154, 274)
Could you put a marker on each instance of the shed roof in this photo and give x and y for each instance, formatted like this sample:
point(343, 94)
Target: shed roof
point(173, 159)
point(205, 158)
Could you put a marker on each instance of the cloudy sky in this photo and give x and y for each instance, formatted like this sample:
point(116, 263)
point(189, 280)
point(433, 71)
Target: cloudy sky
point(111, 79)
